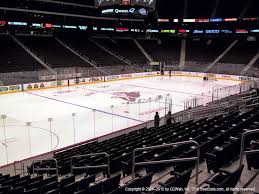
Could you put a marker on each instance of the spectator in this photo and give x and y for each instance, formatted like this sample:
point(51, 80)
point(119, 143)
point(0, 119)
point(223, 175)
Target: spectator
point(157, 119)
point(169, 118)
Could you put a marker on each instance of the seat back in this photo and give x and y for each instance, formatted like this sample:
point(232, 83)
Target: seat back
point(16, 190)
point(111, 183)
point(49, 187)
point(67, 180)
point(5, 189)
point(33, 185)
point(181, 181)
point(37, 178)
point(33, 191)
point(233, 178)
point(55, 191)
point(144, 181)
point(84, 183)
point(95, 189)
point(81, 192)
point(68, 189)
point(49, 180)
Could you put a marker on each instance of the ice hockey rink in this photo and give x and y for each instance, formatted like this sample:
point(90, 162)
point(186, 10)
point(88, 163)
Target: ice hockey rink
point(36, 122)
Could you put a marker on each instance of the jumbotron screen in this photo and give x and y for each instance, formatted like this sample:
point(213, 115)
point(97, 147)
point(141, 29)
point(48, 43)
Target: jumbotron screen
point(143, 3)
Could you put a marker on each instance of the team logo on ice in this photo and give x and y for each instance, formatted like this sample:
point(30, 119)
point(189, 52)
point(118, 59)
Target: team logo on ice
point(127, 96)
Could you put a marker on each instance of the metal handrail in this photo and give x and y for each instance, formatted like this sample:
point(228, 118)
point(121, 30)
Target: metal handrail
point(45, 169)
point(252, 105)
point(204, 111)
point(242, 149)
point(197, 158)
point(21, 169)
point(92, 167)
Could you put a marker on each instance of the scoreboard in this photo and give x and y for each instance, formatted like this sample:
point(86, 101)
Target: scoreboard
point(100, 3)
point(144, 3)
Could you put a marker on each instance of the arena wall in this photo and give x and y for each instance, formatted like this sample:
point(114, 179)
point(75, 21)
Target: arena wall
point(91, 80)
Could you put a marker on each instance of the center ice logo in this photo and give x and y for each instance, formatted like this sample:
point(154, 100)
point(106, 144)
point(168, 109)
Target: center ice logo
point(127, 96)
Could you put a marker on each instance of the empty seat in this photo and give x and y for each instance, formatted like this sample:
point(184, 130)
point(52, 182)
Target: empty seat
point(111, 183)
point(69, 188)
point(49, 180)
point(253, 158)
point(179, 181)
point(224, 179)
point(50, 186)
point(67, 180)
point(85, 182)
point(34, 185)
point(33, 191)
point(5, 189)
point(143, 181)
point(96, 189)
point(16, 190)
point(55, 191)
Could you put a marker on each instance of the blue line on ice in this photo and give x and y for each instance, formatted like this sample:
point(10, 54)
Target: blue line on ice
point(101, 111)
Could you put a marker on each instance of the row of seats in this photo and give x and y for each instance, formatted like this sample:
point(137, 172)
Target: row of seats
point(165, 50)
point(17, 184)
point(229, 147)
point(83, 45)
point(14, 58)
point(124, 47)
point(241, 53)
point(52, 52)
point(207, 132)
point(67, 185)
point(69, 182)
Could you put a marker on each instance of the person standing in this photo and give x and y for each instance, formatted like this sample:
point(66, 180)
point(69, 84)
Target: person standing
point(169, 118)
point(157, 119)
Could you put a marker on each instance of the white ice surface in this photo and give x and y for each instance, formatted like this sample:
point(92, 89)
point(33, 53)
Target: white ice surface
point(133, 101)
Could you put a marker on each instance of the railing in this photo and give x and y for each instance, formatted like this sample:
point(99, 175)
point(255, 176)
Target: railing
point(241, 102)
point(242, 150)
point(20, 169)
point(205, 111)
point(92, 167)
point(253, 101)
point(47, 168)
point(222, 93)
point(197, 158)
